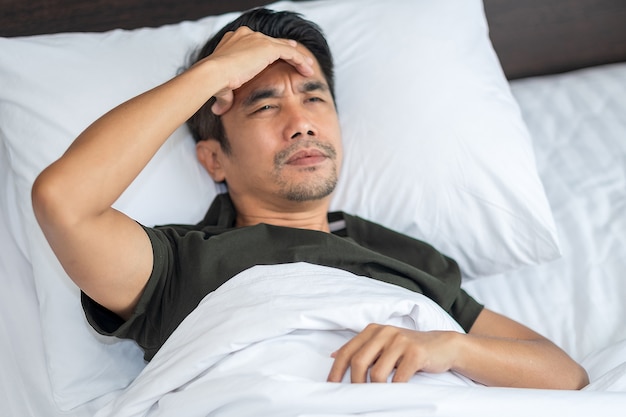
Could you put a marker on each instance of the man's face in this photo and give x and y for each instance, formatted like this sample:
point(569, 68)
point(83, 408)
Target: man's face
point(285, 138)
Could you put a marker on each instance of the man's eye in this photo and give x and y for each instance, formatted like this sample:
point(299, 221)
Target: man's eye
point(315, 99)
point(264, 108)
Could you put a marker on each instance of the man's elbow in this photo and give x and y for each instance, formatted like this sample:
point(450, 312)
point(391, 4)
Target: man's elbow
point(576, 379)
point(581, 379)
point(49, 200)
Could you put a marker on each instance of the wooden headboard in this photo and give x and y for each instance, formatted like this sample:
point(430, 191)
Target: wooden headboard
point(531, 37)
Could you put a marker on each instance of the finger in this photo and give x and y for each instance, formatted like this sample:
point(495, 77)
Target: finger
point(291, 53)
point(223, 103)
point(343, 357)
point(368, 353)
point(361, 363)
point(337, 371)
point(397, 347)
point(390, 356)
point(302, 63)
point(340, 364)
point(406, 368)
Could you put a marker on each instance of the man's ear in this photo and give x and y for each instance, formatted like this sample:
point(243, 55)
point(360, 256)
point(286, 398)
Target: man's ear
point(210, 155)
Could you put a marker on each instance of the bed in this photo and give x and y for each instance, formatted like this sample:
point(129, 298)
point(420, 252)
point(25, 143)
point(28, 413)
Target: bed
point(504, 147)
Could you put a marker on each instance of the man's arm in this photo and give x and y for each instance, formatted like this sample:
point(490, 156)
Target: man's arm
point(107, 254)
point(496, 352)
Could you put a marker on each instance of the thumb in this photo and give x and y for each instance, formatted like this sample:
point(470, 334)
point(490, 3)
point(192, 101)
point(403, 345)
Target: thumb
point(223, 103)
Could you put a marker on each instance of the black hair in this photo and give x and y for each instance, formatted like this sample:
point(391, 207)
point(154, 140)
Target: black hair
point(277, 24)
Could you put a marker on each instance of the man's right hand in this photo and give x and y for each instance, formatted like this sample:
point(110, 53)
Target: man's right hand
point(244, 54)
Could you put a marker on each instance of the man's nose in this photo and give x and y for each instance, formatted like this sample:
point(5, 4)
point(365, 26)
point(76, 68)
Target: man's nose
point(297, 135)
point(299, 125)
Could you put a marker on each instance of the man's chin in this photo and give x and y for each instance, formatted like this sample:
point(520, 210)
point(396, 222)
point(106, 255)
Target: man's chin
point(309, 192)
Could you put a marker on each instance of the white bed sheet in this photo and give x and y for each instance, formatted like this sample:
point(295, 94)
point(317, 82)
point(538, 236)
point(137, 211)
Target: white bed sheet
point(578, 124)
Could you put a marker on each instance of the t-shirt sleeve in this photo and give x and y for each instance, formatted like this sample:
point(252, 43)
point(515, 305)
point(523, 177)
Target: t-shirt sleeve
point(108, 323)
point(465, 310)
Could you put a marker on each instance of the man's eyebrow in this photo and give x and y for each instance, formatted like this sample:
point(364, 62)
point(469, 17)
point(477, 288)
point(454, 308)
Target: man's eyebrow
point(311, 86)
point(258, 95)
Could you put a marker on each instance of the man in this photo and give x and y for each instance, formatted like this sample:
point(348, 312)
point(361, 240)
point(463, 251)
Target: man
point(262, 109)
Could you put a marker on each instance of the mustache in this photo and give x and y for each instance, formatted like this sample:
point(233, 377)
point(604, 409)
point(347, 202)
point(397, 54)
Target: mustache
point(283, 156)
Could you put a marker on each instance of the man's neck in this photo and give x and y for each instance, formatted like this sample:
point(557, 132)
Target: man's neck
point(295, 220)
point(305, 215)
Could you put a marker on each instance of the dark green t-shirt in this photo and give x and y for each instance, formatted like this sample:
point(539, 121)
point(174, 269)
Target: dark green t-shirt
point(190, 261)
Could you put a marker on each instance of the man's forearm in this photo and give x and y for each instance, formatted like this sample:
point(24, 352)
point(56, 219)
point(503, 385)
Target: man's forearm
point(517, 363)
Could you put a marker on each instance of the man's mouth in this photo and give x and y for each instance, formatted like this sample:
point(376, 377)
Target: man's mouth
point(310, 153)
point(306, 157)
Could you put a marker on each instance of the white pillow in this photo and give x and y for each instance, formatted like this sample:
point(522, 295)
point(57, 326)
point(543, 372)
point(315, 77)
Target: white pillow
point(434, 147)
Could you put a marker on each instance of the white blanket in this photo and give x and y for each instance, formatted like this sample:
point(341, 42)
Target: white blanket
point(260, 346)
